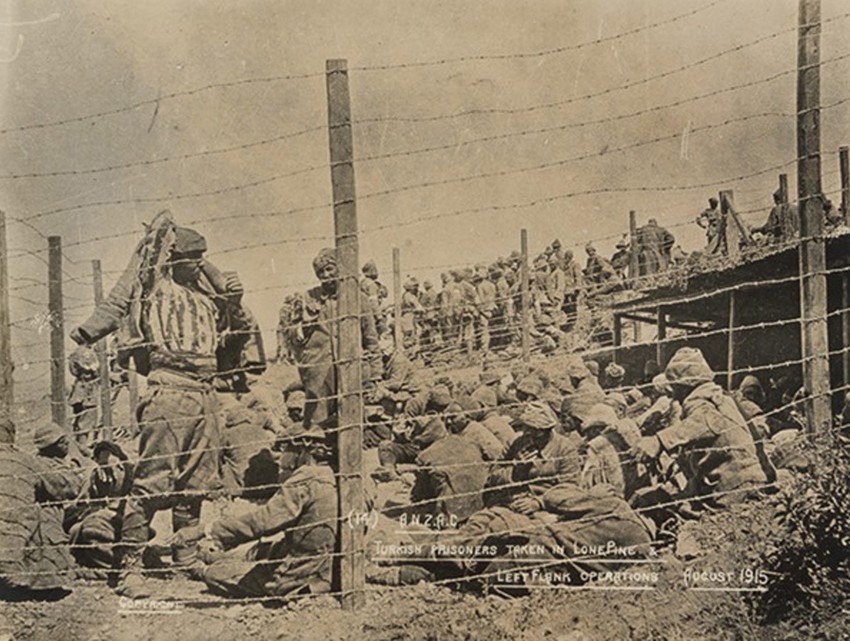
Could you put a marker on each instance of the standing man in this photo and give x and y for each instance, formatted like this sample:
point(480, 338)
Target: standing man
point(709, 220)
point(312, 333)
point(191, 331)
point(654, 244)
point(783, 222)
point(485, 290)
point(375, 293)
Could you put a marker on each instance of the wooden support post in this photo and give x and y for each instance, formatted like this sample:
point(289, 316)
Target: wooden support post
point(398, 334)
point(102, 359)
point(733, 234)
point(133, 394)
point(634, 267)
point(813, 302)
point(525, 297)
point(57, 330)
point(661, 324)
point(730, 343)
point(618, 335)
point(783, 188)
point(349, 379)
point(7, 396)
point(638, 326)
point(845, 332)
point(844, 166)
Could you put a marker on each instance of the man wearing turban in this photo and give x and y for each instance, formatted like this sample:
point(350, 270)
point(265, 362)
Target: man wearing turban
point(313, 335)
point(191, 335)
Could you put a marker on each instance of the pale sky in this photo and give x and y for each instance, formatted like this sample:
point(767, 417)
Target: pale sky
point(66, 60)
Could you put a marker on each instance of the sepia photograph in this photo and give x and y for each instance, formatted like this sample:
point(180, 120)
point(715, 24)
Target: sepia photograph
point(439, 320)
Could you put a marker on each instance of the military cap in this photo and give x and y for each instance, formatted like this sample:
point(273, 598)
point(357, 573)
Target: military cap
point(47, 434)
point(188, 240)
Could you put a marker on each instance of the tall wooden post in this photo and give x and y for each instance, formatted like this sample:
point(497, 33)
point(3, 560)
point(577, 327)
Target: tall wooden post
point(845, 332)
point(618, 335)
point(397, 329)
point(7, 396)
point(133, 395)
point(813, 303)
point(730, 343)
point(783, 188)
point(844, 166)
point(57, 330)
point(349, 379)
point(102, 359)
point(634, 267)
point(733, 234)
point(525, 297)
point(661, 324)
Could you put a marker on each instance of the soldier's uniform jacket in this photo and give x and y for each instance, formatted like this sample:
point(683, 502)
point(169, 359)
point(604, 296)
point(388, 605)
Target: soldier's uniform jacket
point(313, 335)
point(486, 297)
point(305, 508)
point(453, 474)
point(716, 450)
point(529, 469)
point(33, 550)
point(196, 332)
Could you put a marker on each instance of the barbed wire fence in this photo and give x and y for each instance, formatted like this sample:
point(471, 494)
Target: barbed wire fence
point(57, 317)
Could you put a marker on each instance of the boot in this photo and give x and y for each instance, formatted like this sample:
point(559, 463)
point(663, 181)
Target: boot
point(184, 514)
point(134, 529)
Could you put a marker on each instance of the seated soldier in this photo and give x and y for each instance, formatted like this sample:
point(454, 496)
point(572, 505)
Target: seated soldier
point(248, 466)
point(34, 555)
point(538, 459)
point(58, 450)
point(92, 522)
point(304, 509)
point(608, 457)
point(450, 478)
point(418, 430)
point(712, 442)
point(461, 420)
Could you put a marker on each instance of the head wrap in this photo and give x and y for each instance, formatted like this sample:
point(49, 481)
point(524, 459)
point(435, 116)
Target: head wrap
point(531, 385)
point(600, 415)
point(538, 416)
point(370, 269)
point(489, 376)
point(296, 399)
point(325, 257)
point(440, 397)
point(688, 367)
point(188, 240)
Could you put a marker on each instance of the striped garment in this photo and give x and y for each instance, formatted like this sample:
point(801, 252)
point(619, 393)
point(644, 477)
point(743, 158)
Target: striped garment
point(182, 321)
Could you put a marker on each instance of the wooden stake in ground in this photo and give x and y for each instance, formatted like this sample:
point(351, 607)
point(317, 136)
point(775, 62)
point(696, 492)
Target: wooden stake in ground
point(57, 330)
point(102, 359)
point(844, 166)
point(7, 396)
point(397, 329)
point(525, 299)
point(349, 378)
point(634, 268)
point(813, 303)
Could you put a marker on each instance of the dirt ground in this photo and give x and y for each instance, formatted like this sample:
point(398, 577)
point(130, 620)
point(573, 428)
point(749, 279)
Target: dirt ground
point(182, 610)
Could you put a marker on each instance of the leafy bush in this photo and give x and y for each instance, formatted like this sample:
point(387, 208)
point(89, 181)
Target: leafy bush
point(808, 560)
